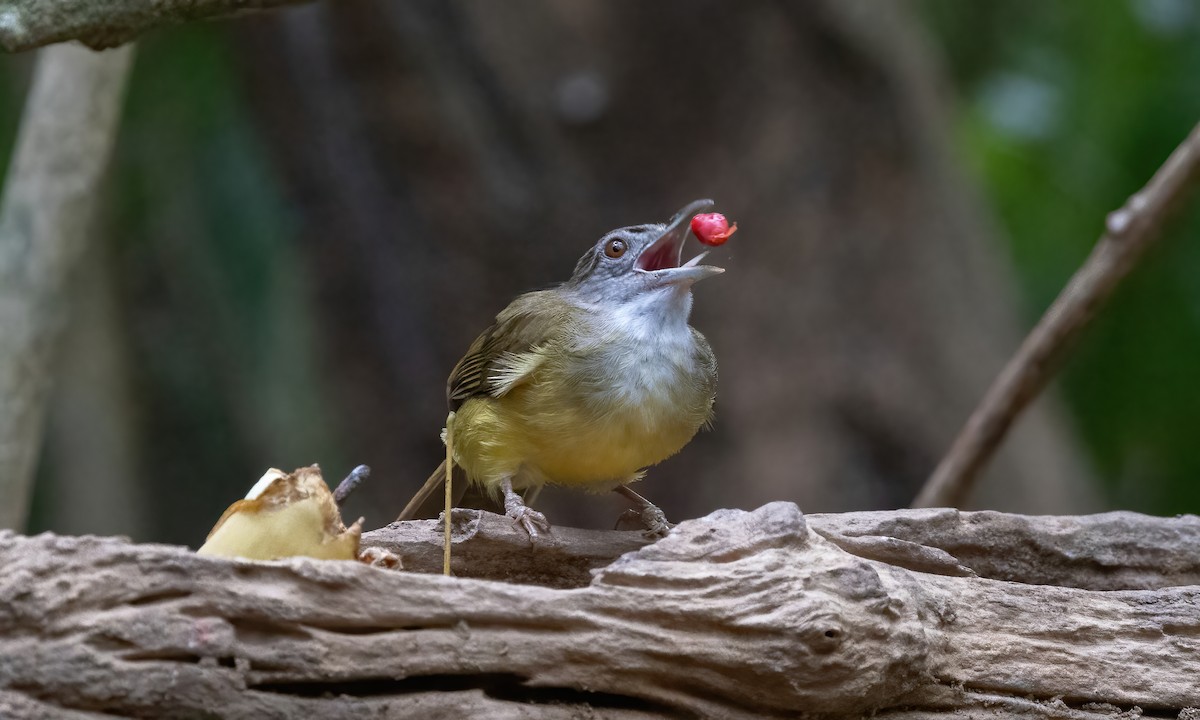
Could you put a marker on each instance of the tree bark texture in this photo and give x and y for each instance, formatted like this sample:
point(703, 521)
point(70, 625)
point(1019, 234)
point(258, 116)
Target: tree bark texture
point(738, 614)
point(27, 24)
point(62, 149)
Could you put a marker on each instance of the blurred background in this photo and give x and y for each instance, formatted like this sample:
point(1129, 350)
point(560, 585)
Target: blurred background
point(311, 214)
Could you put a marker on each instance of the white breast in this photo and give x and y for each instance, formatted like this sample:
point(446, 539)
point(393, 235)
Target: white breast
point(645, 349)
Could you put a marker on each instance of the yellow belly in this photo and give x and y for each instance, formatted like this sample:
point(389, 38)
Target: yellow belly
point(549, 432)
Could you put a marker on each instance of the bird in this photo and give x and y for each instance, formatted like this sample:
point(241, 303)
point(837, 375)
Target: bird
point(584, 385)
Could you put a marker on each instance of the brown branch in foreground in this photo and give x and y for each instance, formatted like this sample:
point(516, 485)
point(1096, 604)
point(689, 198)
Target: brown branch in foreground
point(736, 615)
point(100, 24)
point(1130, 231)
point(62, 148)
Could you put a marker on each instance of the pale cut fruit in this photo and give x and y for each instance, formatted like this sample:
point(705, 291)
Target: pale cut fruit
point(285, 515)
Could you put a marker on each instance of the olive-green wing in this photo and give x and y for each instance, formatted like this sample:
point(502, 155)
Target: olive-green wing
point(508, 352)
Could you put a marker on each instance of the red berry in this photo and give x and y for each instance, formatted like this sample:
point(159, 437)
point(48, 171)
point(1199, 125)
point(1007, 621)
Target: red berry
point(712, 228)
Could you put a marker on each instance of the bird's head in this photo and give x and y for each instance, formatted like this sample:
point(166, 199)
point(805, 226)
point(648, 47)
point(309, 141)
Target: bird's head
point(631, 262)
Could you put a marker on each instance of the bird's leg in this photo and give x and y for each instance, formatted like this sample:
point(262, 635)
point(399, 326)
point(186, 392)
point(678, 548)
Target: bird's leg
point(514, 507)
point(653, 519)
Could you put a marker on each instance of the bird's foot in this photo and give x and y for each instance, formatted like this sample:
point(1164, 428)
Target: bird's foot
point(532, 521)
point(654, 522)
point(650, 518)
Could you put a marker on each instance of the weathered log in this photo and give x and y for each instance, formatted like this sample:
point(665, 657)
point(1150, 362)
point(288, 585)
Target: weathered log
point(738, 614)
point(1106, 551)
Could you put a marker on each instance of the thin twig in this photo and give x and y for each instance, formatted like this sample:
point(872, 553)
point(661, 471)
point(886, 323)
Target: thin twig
point(62, 148)
point(1130, 232)
point(446, 535)
point(351, 483)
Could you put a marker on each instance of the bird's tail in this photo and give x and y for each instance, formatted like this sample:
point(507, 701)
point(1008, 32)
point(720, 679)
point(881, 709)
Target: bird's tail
point(429, 500)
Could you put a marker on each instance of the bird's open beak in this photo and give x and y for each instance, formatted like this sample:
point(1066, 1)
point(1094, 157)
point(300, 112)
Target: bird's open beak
point(661, 258)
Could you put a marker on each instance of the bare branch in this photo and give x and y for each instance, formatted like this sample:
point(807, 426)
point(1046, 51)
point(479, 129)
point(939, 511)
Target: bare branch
point(62, 149)
point(1130, 231)
point(735, 615)
point(101, 24)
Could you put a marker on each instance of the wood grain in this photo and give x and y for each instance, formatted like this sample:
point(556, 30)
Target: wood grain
point(738, 614)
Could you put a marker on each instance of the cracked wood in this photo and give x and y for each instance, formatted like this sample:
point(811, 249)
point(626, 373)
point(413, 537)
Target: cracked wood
point(738, 614)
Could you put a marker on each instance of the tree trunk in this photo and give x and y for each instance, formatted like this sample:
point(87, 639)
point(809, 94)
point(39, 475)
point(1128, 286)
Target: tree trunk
point(62, 150)
point(738, 614)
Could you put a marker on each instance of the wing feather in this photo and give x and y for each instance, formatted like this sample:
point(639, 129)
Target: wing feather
point(508, 352)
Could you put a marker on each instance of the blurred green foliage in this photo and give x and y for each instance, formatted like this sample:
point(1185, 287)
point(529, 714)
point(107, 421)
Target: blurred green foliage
point(1066, 109)
point(199, 199)
point(216, 318)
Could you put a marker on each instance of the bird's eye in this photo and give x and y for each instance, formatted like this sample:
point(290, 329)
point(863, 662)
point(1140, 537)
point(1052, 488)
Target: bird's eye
point(615, 248)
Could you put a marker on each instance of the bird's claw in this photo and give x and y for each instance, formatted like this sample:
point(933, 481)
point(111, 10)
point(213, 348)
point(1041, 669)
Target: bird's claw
point(652, 520)
point(515, 508)
point(628, 517)
point(531, 521)
point(655, 522)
